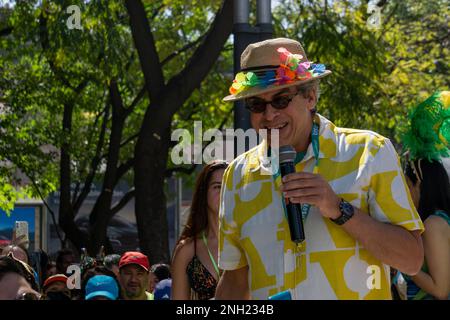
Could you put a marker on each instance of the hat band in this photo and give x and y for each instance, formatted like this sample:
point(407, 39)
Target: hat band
point(267, 67)
point(290, 69)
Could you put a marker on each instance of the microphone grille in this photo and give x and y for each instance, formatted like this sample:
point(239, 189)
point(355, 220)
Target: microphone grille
point(287, 154)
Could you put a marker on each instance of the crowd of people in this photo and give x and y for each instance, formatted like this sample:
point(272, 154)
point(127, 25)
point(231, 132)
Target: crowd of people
point(360, 209)
point(126, 277)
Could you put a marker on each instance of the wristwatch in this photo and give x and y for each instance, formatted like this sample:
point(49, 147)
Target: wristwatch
point(347, 212)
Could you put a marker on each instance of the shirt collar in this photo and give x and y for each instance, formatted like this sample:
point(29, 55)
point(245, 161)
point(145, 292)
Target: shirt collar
point(327, 146)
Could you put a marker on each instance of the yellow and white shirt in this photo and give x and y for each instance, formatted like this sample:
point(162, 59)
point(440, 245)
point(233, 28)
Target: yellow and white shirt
point(363, 168)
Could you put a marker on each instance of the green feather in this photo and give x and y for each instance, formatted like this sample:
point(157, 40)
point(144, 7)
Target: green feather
point(428, 133)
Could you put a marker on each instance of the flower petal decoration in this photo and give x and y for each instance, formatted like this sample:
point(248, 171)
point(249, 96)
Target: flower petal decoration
point(291, 68)
point(252, 79)
point(284, 55)
point(282, 75)
point(303, 67)
point(268, 79)
point(318, 68)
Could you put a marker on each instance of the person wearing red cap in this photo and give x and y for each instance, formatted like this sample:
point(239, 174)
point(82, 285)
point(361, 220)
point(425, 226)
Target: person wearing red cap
point(55, 288)
point(134, 276)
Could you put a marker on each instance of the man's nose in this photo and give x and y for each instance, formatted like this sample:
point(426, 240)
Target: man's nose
point(134, 278)
point(270, 113)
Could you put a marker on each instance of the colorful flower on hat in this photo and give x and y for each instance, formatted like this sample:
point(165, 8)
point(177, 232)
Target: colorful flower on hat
point(291, 69)
point(242, 81)
point(268, 78)
point(318, 68)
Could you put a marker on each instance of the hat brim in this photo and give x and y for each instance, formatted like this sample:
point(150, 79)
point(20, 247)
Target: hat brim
point(254, 91)
point(134, 263)
point(105, 294)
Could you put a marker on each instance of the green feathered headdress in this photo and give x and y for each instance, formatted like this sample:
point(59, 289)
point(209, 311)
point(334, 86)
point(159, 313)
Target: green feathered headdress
point(428, 132)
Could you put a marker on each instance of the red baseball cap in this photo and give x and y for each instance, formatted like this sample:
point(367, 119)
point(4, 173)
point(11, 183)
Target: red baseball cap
point(53, 279)
point(133, 257)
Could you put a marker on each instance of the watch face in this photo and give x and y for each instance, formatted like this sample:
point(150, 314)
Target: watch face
point(346, 207)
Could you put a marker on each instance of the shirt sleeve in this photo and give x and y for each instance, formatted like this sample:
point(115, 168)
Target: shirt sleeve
point(389, 199)
point(231, 254)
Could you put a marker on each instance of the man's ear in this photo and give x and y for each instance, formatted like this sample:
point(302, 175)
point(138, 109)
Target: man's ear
point(311, 99)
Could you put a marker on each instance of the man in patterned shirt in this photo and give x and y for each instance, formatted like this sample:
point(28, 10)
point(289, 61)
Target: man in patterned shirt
point(361, 220)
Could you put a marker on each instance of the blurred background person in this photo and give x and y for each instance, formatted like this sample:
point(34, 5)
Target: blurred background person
point(194, 264)
point(111, 262)
point(92, 272)
point(102, 287)
point(19, 253)
point(163, 289)
point(17, 280)
point(64, 258)
point(55, 288)
point(430, 191)
point(158, 272)
point(51, 269)
point(426, 140)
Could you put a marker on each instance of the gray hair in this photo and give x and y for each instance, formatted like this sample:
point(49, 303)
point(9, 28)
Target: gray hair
point(304, 89)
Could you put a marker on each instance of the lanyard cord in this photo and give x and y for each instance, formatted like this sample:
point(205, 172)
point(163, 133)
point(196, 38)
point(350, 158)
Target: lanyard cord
point(205, 241)
point(315, 144)
point(305, 207)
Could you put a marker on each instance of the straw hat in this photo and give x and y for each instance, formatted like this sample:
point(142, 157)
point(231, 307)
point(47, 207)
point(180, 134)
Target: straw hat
point(271, 65)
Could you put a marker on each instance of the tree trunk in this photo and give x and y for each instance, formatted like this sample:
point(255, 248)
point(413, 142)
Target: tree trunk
point(66, 215)
point(152, 147)
point(150, 201)
point(100, 217)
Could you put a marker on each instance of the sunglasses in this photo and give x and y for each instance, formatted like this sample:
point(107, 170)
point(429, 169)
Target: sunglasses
point(29, 296)
point(258, 105)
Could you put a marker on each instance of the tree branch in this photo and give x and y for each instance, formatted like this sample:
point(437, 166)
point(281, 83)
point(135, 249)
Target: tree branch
point(183, 49)
point(52, 213)
point(6, 31)
point(136, 100)
point(94, 164)
point(182, 85)
point(122, 203)
point(45, 43)
point(173, 55)
point(145, 46)
point(85, 161)
point(123, 169)
point(116, 99)
point(134, 136)
point(156, 11)
point(170, 171)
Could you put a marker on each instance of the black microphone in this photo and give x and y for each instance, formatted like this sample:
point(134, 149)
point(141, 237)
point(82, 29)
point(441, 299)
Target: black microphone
point(294, 211)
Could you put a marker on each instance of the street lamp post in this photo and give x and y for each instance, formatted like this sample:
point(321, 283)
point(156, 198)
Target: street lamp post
point(244, 34)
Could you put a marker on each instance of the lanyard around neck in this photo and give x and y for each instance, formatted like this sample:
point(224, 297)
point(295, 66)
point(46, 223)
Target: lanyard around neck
point(305, 207)
point(205, 241)
point(315, 145)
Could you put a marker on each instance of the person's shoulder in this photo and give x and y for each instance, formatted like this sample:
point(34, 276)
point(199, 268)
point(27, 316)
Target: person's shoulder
point(345, 137)
point(435, 223)
point(361, 137)
point(184, 250)
point(244, 164)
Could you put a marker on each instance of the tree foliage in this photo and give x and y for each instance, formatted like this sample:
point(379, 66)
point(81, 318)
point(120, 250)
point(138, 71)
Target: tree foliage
point(74, 100)
point(377, 73)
